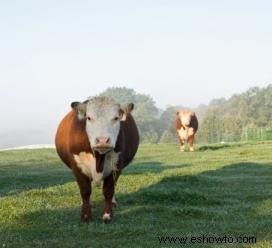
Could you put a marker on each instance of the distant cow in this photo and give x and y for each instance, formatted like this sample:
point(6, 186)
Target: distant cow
point(186, 126)
point(97, 139)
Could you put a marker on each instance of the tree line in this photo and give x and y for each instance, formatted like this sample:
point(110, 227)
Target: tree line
point(246, 116)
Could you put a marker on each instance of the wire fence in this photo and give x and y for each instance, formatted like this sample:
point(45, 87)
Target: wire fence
point(257, 134)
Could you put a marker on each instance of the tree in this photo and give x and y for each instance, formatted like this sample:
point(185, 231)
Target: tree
point(223, 119)
point(211, 127)
point(121, 94)
point(150, 136)
point(168, 137)
point(145, 112)
point(167, 120)
point(230, 120)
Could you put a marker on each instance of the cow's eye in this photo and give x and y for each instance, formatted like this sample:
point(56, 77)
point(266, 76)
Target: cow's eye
point(90, 118)
point(116, 118)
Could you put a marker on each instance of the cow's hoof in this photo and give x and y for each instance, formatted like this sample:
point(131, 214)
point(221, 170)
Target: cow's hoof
point(106, 218)
point(85, 213)
point(182, 148)
point(85, 218)
point(191, 149)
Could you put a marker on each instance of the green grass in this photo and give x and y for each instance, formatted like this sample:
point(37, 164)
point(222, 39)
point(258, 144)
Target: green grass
point(217, 190)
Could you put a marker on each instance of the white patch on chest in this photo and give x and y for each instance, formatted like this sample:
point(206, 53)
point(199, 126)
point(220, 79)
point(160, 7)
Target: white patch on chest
point(185, 120)
point(87, 163)
point(185, 133)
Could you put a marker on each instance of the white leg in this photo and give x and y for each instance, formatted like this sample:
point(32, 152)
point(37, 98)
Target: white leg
point(106, 217)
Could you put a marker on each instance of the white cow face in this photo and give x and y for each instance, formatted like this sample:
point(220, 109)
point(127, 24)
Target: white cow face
point(103, 116)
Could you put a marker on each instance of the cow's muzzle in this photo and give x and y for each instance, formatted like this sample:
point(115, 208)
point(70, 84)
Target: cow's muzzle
point(103, 149)
point(103, 145)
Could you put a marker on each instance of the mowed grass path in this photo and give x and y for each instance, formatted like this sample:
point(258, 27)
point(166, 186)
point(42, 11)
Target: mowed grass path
point(214, 191)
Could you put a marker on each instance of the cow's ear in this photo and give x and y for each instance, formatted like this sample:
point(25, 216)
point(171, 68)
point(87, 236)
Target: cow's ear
point(80, 109)
point(126, 109)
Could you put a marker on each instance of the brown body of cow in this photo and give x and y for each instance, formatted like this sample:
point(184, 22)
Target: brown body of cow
point(186, 125)
point(74, 149)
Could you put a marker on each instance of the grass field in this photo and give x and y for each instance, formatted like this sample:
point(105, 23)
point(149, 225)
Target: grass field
point(215, 191)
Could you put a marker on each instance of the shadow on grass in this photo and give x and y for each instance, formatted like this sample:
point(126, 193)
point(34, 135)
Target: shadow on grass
point(150, 167)
point(228, 201)
point(218, 146)
point(15, 179)
point(214, 147)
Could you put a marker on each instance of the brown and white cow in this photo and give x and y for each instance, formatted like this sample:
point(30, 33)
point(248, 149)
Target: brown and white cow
point(97, 139)
point(186, 126)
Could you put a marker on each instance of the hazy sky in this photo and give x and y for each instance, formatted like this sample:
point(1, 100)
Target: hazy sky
point(179, 52)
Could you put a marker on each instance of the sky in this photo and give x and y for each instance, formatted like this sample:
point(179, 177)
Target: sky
point(178, 52)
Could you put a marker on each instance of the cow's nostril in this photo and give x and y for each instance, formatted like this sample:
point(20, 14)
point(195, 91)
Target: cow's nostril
point(108, 141)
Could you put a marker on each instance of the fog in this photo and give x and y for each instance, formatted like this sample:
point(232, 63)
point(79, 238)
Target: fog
point(178, 52)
